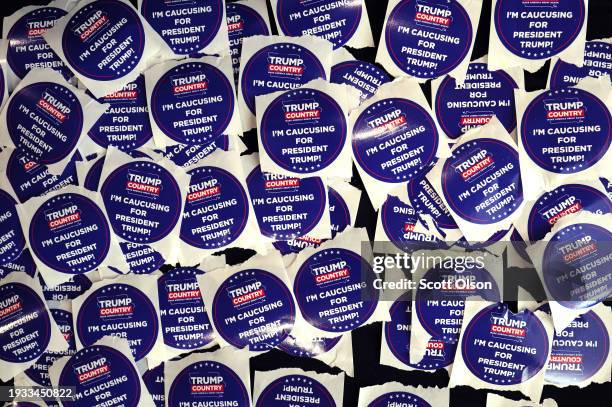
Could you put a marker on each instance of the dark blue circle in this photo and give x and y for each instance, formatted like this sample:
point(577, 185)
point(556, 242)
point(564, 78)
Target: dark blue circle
point(273, 394)
point(564, 74)
point(363, 76)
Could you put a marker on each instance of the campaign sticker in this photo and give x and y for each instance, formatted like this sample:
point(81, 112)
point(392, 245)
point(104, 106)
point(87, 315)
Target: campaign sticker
point(185, 155)
point(69, 234)
point(154, 381)
point(314, 348)
point(44, 120)
point(141, 258)
point(503, 348)
point(208, 382)
point(597, 57)
point(143, 201)
point(27, 49)
point(93, 370)
point(216, 208)
point(427, 39)
point(69, 290)
point(481, 181)
point(538, 29)
point(399, 222)
point(118, 309)
point(253, 308)
point(484, 94)
point(26, 323)
point(303, 131)
point(566, 131)
point(104, 40)
point(426, 200)
point(399, 397)
point(438, 353)
point(293, 388)
point(22, 264)
point(125, 124)
point(187, 26)
point(394, 139)
point(336, 22)
point(12, 241)
point(334, 290)
point(286, 207)
point(363, 76)
point(184, 321)
point(192, 103)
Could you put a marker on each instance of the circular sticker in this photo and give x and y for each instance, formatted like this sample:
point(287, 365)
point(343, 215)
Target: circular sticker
point(426, 39)
point(70, 234)
point(142, 200)
point(216, 209)
point(597, 57)
point(398, 221)
point(119, 309)
point(481, 181)
point(394, 139)
point(313, 348)
point(400, 398)
point(69, 290)
point(566, 130)
point(503, 348)
point(141, 258)
point(187, 27)
point(484, 94)
point(438, 353)
point(22, 264)
point(26, 324)
point(336, 22)
point(104, 40)
point(303, 131)
point(335, 291)
point(44, 121)
point(426, 200)
point(192, 103)
point(538, 29)
point(281, 66)
point(242, 22)
point(154, 381)
point(208, 383)
point(299, 389)
point(363, 76)
point(27, 49)
point(253, 308)
point(285, 207)
point(94, 370)
point(12, 241)
point(564, 200)
point(125, 124)
point(184, 321)
point(185, 155)
point(576, 265)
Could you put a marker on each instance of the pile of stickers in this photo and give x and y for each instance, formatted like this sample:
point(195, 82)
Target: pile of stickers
point(121, 130)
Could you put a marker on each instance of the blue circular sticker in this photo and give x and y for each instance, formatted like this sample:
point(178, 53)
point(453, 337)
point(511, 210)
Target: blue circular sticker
point(566, 131)
point(26, 324)
point(242, 22)
point(185, 155)
point(70, 234)
point(208, 383)
point(94, 370)
point(576, 265)
point(27, 49)
point(285, 207)
point(481, 181)
point(192, 103)
point(314, 347)
point(428, 39)
point(394, 139)
point(253, 308)
point(69, 290)
point(303, 131)
point(564, 200)
point(336, 22)
point(295, 389)
point(104, 40)
point(143, 201)
point(12, 241)
point(154, 381)
point(141, 258)
point(216, 209)
point(538, 29)
point(484, 94)
point(184, 321)
point(125, 124)
point(334, 290)
point(186, 26)
point(426, 200)
point(282, 66)
point(363, 76)
point(438, 353)
point(22, 264)
point(398, 221)
point(597, 57)
point(44, 121)
point(399, 398)
point(119, 309)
